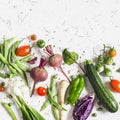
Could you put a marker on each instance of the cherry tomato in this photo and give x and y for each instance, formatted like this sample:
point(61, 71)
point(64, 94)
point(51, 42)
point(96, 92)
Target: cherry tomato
point(41, 43)
point(42, 91)
point(34, 37)
point(115, 84)
point(23, 50)
point(2, 88)
point(112, 52)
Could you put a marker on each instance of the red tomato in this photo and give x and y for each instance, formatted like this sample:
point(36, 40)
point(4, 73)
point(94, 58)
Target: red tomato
point(112, 52)
point(23, 50)
point(115, 84)
point(2, 88)
point(42, 91)
point(34, 37)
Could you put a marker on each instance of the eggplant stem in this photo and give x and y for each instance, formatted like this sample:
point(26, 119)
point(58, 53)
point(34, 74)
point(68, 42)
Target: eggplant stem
point(65, 74)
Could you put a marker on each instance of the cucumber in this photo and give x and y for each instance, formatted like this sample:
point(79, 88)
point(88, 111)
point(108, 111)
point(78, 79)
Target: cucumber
point(102, 92)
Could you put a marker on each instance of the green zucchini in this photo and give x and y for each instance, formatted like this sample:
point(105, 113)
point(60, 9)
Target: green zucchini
point(102, 92)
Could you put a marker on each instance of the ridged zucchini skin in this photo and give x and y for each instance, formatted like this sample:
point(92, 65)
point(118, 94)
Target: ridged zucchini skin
point(102, 92)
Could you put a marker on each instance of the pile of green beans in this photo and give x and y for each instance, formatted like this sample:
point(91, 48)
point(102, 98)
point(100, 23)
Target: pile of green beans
point(53, 99)
point(75, 89)
point(14, 64)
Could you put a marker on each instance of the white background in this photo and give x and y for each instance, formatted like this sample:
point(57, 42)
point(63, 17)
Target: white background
point(80, 25)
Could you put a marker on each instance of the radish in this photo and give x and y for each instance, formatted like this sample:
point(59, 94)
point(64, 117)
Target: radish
point(39, 73)
point(55, 60)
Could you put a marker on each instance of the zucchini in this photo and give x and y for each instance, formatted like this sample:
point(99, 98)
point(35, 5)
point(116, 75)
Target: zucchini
point(102, 92)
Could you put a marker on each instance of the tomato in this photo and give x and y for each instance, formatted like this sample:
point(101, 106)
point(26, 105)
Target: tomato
point(23, 50)
point(42, 91)
point(2, 88)
point(34, 37)
point(112, 52)
point(115, 84)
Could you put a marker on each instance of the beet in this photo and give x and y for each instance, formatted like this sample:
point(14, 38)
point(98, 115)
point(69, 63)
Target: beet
point(39, 73)
point(55, 60)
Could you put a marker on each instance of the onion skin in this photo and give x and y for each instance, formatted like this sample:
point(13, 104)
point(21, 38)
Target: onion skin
point(84, 107)
point(38, 74)
point(55, 60)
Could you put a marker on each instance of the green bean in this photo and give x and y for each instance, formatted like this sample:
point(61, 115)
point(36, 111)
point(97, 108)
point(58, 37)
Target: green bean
point(8, 65)
point(11, 75)
point(6, 46)
point(53, 102)
point(9, 58)
point(27, 58)
point(15, 66)
point(1, 51)
point(45, 105)
point(53, 90)
point(55, 110)
point(10, 111)
point(22, 73)
point(17, 61)
point(4, 75)
point(53, 84)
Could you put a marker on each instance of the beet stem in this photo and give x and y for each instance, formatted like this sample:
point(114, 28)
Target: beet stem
point(49, 50)
point(65, 74)
point(80, 67)
point(33, 89)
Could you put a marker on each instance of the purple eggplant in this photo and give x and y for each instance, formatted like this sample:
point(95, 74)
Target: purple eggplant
point(84, 107)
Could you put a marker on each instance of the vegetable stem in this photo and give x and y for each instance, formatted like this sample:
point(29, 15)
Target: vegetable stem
point(9, 110)
point(33, 89)
point(65, 74)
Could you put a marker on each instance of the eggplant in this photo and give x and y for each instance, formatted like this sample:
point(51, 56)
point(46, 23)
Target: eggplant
point(84, 107)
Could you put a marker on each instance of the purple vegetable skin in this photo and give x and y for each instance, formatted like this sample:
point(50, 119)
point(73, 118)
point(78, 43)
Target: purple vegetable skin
point(33, 61)
point(84, 107)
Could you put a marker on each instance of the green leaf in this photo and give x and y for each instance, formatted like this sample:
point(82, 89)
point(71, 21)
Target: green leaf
point(69, 57)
